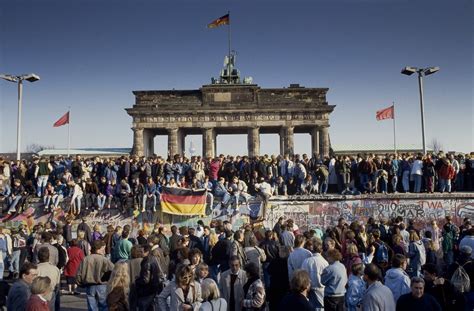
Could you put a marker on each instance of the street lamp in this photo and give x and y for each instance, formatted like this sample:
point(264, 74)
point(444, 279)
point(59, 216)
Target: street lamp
point(421, 73)
point(31, 77)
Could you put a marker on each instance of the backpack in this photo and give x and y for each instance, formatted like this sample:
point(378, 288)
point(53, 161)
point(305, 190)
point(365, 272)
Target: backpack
point(381, 254)
point(461, 280)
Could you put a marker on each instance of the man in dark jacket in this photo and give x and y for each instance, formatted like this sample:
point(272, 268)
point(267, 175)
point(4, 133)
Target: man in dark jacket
point(417, 300)
point(20, 291)
point(441, 289)
point(150, 282)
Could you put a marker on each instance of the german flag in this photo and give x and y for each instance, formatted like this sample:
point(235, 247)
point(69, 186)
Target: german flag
point(223, 20)
point(180, 201)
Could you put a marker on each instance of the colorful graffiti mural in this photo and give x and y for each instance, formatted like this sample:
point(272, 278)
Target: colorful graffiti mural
point(306, 213)
point(326, 213)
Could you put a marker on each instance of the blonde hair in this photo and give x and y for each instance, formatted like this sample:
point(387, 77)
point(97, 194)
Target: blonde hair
point(40, 285)
point(352, 249)
point(119, 278)
point(209, 290)
point(81, 234)
point(213, 239)
point(414, 236)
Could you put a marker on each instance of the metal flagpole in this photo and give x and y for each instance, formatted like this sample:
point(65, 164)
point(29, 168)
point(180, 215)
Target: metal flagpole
point(394, 135)
point(228, 62)
point(69, 132)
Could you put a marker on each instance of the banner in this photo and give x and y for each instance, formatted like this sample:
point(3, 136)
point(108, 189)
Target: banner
point(181, 201)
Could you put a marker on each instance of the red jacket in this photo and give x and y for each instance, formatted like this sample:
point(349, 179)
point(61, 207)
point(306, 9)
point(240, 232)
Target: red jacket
point(35, 303)
point(446, 171)
point(75, 255)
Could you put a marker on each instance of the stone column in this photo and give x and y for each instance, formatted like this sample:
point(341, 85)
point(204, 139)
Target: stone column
point(282, 142)
point(148, 143)
point(253, 141)
point(314, 141)
point(181, 142)
point(173, 142)
point(324, 138)
point(208, 143)
point(290, 145)
point(138, 148)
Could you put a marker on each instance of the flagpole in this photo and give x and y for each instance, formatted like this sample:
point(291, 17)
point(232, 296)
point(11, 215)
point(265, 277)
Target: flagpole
point(228, 62)
point(394, 135)
point(69, 132)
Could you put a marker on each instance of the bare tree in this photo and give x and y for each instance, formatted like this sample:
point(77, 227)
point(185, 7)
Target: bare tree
point(35, 148)
point(436, 145)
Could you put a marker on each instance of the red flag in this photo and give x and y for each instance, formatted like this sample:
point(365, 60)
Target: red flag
point(62, 121)
point(387, 113)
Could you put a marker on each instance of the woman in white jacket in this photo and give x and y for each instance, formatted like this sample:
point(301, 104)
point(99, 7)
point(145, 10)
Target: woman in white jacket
point(184, 292)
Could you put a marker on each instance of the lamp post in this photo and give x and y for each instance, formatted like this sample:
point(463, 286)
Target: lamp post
point(31, 77)
point(421, 73)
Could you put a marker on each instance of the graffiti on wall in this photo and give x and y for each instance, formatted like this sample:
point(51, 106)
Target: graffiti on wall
point(327, 213)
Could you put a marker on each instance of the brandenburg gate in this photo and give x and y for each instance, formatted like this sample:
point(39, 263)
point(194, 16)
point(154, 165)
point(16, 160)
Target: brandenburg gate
point(227, 106)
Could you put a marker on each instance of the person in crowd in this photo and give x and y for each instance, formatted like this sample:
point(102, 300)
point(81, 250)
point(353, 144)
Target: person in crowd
point(254, 290)
point(184, 291)
point(334, 279)
point(93, 274)
point(416, 254)
point(255, 254)
point(279, 281)
point(52, 272)
point(298, 255)
point(396, 278)
point(297, 299)
point(315, 266)
point(75, 255)
point(417, 299)
point(40, 290)
point(440, 288)
point(377, 297)
point(20, 291)
point(231, 284)
point(118, 288)
point(211, 300)
point(355, 287)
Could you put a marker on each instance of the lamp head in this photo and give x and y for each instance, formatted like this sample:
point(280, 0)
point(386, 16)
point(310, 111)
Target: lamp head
point(9, 78)
point(409, 70)
point(31, 77)
point(431, 70)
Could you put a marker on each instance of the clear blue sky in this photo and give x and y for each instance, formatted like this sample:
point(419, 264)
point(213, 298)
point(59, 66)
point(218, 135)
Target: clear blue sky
point(92, 54)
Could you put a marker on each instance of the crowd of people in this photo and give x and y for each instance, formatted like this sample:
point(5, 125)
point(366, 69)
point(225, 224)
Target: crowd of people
point(375, 265)
point(135, 183)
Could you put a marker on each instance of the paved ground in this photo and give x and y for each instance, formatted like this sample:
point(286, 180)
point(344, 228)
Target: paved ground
point(73, 303)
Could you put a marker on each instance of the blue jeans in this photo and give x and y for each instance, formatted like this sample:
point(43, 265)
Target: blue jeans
point(13, 203)
point(41, 183)
point(57, 198)
point(444, 185)
point(383, 185)
point(47, 200)
point(406, 181)
point(323, 188)
point(364, 179)
point(96, 297)
point(417, 179)
point(145, 198)
point(15, 262)
point(394, 183)
point(101, 201)
point(2, 266)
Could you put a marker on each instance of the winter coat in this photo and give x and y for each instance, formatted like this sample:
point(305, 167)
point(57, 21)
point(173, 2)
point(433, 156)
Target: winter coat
point(398, 281)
